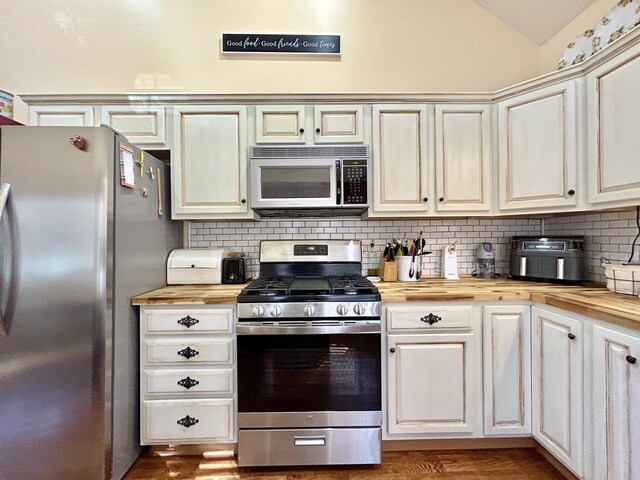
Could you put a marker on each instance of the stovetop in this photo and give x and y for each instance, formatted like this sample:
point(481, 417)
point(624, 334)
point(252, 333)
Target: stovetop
point(330, 288)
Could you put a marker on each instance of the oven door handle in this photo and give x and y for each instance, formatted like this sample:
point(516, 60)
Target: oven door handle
point(288, 329)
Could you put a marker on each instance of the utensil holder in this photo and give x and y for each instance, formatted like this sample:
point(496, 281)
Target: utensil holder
point(404, 266)
point(387, 271)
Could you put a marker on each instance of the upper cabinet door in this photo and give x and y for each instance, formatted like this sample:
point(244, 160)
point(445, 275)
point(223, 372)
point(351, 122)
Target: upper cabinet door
point(142, 125)
point(280, 124)
point(61, 116)
point(209, 164)
point(400, 164)
point(338, 124)
point(463, 158)
point(614, 140)
point(538, 149)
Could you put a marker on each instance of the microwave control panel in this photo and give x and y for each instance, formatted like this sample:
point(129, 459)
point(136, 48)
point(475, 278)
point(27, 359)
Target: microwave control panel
point(354, 181)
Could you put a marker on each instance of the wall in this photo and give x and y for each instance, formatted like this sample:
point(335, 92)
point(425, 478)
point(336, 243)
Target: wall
point(147, 46)
point(608, 234)
point(246, 236)
point(553, 49)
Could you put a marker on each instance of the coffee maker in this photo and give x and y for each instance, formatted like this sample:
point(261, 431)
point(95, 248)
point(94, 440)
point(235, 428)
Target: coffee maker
point(486, 261)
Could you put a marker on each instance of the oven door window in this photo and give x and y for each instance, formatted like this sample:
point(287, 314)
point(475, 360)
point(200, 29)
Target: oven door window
point(295, 182)
point(299, 373)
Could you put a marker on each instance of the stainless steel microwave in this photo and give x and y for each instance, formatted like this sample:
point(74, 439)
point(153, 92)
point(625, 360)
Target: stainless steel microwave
point(309, 180)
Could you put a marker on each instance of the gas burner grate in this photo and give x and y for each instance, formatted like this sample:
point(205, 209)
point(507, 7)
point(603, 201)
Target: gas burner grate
point(351, 285)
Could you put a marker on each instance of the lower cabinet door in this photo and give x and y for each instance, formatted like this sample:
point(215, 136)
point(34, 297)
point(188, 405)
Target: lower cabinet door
point(557, 416)
point(616, 409)
point(507, 370)
point(433, 384)
point(187, 421)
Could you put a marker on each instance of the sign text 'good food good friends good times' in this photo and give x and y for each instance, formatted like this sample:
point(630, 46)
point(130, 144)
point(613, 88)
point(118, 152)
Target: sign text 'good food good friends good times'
point(278, 43)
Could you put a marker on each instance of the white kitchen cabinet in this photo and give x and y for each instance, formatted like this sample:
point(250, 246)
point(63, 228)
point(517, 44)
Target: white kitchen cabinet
point(187, 379)
point(338, 124)
point(61, 115)
point(538, 144)
point(209, 163)
point(401, 167)
point(557, 384)
point(142, 125)
point(433, 375)
point(616, 404)
point(309, 124)
point(280, 124)
point(613, 113)
point(507, 370)
point(463, 143)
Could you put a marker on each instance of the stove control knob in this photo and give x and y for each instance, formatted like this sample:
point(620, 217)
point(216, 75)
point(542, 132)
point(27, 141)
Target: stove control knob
point(276, 311)
point(359, 309)
point(309, 310)
point(342, 309)
point(258, 311)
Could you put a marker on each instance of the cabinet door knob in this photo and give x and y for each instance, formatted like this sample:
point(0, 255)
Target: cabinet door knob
point(631, 360)
point(571, 336)
point(244, 200)
point(441, 199)
point(302, 130)
point(392, 350)
point(425, 199)
point(318, 130)
point(571, 192)
point(188, 321)
point(187, 421)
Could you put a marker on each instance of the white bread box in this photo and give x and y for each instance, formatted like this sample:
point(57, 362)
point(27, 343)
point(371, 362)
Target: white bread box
point(195, 266)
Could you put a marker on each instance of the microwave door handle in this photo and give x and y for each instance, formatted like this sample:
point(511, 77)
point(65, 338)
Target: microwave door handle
point(338, 183)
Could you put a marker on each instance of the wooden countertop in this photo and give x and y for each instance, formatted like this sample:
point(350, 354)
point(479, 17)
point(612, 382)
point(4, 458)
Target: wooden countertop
point(596, 302)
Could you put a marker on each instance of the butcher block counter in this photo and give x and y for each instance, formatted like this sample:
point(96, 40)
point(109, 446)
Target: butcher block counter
point(596, 302)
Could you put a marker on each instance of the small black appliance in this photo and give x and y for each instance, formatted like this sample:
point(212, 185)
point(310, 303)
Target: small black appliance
point(233, 270)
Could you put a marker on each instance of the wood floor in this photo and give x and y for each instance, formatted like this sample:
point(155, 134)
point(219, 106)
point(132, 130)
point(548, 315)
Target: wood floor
point(504, 464)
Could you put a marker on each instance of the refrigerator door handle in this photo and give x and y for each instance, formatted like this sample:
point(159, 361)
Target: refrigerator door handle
point(4, 195)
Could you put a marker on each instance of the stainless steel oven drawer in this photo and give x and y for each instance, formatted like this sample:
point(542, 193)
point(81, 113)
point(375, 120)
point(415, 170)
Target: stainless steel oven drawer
point(325, 446)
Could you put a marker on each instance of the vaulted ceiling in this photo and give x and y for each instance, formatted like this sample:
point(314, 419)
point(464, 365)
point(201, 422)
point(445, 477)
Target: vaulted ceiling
point(539, 20)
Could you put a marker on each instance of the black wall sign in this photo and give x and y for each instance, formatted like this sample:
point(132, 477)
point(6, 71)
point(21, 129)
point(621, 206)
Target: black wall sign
point(276, 43)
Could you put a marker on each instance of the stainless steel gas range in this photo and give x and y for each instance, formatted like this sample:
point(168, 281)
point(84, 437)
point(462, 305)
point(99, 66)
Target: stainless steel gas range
point(309, 358)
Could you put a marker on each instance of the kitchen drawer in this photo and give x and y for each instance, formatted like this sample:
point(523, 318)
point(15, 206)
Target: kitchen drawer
point(210, 350)
point(187, 320)
point(417, 318)
point(187, 421)
point(183, 382)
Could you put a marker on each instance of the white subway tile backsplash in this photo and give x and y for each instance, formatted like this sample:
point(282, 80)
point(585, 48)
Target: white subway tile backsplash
point(608, 234)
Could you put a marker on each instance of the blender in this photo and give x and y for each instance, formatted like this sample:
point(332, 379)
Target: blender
point(486, 261)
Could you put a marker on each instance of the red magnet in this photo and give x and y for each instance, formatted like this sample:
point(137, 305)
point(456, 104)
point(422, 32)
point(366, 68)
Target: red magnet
point(79, 142)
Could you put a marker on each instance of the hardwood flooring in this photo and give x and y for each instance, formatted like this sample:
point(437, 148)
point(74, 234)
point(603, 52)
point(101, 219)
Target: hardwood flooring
point(503, 464)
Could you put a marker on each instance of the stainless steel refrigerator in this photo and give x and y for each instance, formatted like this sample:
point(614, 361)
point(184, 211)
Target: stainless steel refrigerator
point(75, 246)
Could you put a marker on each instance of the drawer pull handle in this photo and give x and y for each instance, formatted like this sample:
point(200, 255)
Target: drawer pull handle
point(571, 336)
point(309, 441)
point(392, 350)
point(188, 321)
point(188, 382)
point(188, 353)
point(431, 319)
point(631, 360)
point(187, 421)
